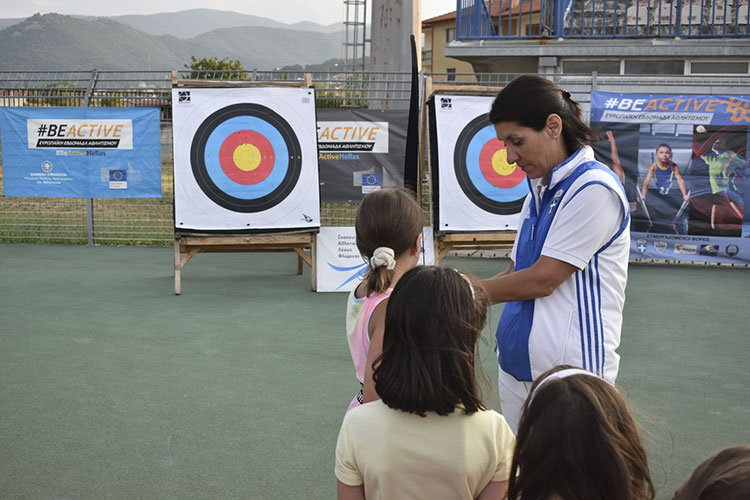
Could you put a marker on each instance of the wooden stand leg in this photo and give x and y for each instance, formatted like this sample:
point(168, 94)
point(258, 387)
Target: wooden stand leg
point(177, 267)
point(313, 262)
point(442, 253)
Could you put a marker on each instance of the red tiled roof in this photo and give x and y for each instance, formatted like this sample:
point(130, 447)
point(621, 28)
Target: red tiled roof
point(518, 9)
point(444, 17)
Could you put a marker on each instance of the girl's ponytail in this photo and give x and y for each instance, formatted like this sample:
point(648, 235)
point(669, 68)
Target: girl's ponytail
point(389, 221)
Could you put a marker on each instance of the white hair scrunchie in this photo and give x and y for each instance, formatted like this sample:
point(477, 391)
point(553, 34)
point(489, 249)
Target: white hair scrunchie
point(383, 256)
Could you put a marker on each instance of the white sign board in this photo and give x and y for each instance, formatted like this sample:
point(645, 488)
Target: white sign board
point(340, 267)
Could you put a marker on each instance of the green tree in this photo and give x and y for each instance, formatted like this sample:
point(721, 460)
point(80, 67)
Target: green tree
point(211, 68)
point(56, 94)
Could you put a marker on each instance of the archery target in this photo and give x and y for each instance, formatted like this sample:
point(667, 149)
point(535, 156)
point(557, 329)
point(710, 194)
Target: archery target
point(245, 158)
point(478, 188)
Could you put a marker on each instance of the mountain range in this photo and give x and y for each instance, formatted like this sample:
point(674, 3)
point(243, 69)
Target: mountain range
point(162, 41)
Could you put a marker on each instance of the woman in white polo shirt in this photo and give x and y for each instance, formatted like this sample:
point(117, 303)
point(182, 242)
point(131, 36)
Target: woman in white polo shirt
point(565, 288)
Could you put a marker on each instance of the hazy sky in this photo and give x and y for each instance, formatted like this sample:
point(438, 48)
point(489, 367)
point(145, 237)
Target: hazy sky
point(288, 11)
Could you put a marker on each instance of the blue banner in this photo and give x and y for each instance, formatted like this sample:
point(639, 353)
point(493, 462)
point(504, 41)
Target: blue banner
point(660, 108)
point(81, 152)
point(683, 161)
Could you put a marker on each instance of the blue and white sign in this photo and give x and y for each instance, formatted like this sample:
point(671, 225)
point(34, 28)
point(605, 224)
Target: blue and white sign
point(81, 152)
point(340, 267)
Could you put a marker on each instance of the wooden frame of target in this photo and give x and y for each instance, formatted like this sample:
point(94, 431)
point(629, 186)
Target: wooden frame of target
point(474, 187)
point(245, 159)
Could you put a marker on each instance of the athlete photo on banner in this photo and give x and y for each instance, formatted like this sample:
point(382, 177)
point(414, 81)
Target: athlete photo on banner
point(664, 175)
point(245, 159)
point(718, 171)
point(687, 155)
point(618, 149)
point(475, 188)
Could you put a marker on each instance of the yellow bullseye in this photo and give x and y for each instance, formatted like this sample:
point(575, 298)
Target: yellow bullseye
point(247, 157)
point(500, 163)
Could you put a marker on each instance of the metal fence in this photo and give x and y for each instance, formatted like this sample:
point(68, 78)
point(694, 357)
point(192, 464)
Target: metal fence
point(151, 221)
point(511, 19)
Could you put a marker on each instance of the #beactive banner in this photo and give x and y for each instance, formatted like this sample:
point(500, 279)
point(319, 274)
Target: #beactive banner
point(339, 266)
point(360, 151)
point(683, 162)
point(81, 152)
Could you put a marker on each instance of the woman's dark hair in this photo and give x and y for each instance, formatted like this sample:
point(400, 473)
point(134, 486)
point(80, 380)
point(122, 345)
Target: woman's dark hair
point(386, 218)
point(577, 439)
point(724, 476)
point(664, 145)
point(529, 99)
point(432, 324)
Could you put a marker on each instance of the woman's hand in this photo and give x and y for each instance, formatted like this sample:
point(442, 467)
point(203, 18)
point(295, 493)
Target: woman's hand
point(540, 280)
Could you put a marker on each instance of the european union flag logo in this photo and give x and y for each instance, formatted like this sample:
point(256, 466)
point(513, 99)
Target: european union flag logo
point(118, 175)
point(371, 179)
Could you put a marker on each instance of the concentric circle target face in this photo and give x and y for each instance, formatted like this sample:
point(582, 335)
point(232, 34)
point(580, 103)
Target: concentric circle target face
point(246, 157)
point(483, 172)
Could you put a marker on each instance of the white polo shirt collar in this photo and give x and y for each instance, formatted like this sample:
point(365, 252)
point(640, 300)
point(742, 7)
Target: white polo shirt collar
point(560, 172)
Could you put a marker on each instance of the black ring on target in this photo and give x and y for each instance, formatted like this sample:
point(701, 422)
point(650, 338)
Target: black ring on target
point(461, 166)
point(209, 187)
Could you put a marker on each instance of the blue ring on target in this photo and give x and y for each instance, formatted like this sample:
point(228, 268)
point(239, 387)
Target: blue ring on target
point(231, 187)
point(469, 175)
point(506, 195)
point(204, 158)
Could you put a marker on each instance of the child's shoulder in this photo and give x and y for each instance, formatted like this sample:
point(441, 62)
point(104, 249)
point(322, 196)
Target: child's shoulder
point(360, 292)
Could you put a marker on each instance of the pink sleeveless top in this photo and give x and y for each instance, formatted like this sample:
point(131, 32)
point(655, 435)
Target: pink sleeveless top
point(358, 312)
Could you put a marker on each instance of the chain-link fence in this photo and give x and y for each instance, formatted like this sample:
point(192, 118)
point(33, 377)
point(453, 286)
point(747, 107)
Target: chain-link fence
point(150, 221)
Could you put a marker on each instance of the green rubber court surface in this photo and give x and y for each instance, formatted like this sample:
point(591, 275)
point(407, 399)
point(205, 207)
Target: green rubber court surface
point(112, 387)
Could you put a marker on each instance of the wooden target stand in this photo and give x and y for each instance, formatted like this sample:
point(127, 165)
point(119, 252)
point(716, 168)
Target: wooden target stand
point(448, 241)
point(302, 242)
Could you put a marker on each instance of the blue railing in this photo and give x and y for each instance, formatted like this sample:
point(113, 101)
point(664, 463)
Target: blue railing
point(507, 19)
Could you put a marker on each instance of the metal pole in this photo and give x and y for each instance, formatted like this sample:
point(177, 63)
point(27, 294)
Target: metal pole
point(89, 201)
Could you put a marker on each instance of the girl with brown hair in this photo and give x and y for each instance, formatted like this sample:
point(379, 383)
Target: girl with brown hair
point(389, 238)
point(724, 476)
point(578, 441)
point(430, 435)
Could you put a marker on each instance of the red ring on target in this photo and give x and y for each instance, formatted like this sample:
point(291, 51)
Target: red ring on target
point(495, 168)
point(246, 157)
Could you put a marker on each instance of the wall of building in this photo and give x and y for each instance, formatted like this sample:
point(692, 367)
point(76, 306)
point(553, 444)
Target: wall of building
point(436, 40)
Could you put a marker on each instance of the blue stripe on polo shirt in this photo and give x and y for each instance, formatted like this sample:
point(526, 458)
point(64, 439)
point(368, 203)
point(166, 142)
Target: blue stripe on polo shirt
point(601, 322)
point(594, 315)
point(580, 319)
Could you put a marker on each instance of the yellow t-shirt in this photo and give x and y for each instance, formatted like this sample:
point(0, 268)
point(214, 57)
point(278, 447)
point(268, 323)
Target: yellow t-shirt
point(401, 455)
